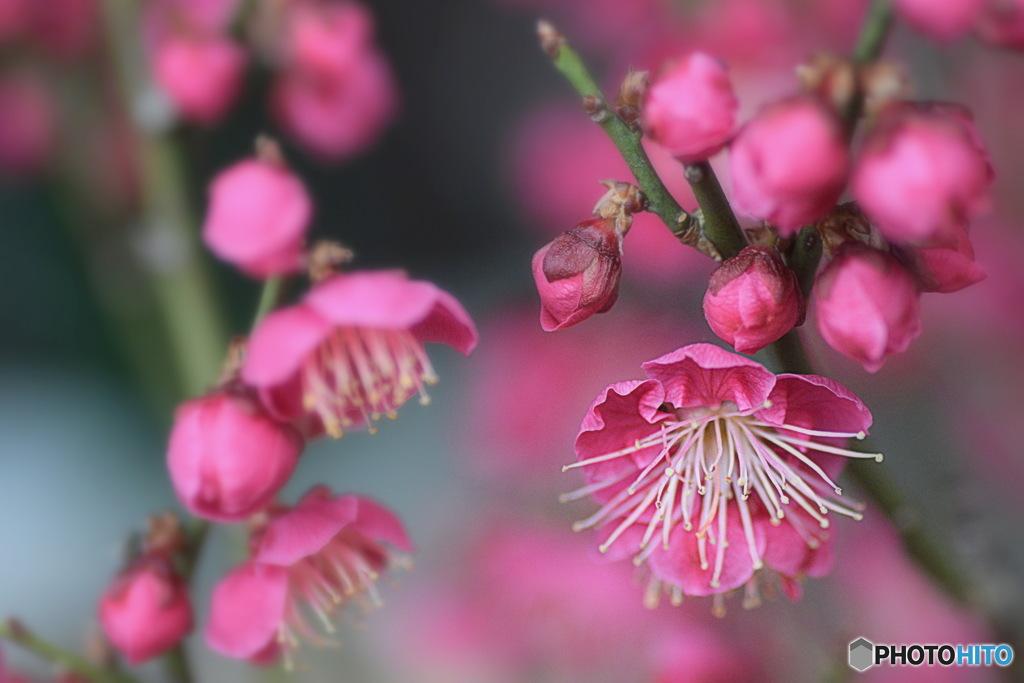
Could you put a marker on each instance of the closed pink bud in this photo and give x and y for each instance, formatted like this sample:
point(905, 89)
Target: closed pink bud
point(328, 38)
point(940, 19)
point(867, 306)
point(923, 174)
point(146, 609)
point(691, 109)
point(228, 458)
point(201, 76)
point(577, 274)
point(28, 132)
point(789, 163)
point(258, 216)
point(753, 299)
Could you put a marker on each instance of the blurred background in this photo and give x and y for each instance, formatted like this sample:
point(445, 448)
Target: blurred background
point(483, 158)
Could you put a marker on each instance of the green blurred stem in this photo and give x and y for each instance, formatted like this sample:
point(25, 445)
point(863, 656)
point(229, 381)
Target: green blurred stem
point(874, 32)
point(15, 632)
point(659, 200)
point(269, 297)
point(171, 256)
point(720, 224)
point(803, 258)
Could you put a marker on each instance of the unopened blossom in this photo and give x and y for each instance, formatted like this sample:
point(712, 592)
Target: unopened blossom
point(258, 217)
point(943, 20)
point(866, 305)
point(923, 174)
point(690, 110)
point(700, 468)
point(335, 93)
point(202, 75)
point(947, 268)
point(14, 17)
point(352, 349)
point(227, 457)
point(307, 563)
point(1001, 22)
point(146, 609)
point(577, 274)
point(789, 163)
point(753, 299)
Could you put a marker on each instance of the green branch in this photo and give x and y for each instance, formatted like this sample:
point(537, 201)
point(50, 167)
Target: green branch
point(14, 631)
point(659, 200)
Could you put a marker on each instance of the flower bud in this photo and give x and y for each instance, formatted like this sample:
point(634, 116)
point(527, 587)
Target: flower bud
point(789, 163)
point(923, 173)
point(201, 76)
point(867, 305)
point(146, 609)
point(753, 299)
point(577, 274)
point(943, 20)
point(258, 216)
point(228, 458)
point(691, 109)
point(1002, 23)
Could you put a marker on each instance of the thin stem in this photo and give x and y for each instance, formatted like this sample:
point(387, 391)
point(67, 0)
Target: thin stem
point(269, 296)
point(874, 32)
point(659, 200)
point(803, 258)
point(720, 224)
point(16, 632)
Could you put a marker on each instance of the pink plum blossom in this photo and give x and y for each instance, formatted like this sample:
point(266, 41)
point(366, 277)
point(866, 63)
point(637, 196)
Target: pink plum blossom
point(335, 94)
point(202, 76)
point(690, 110)
point(324, 553)
point(946, 269)
point(943, 20)
point(64, 28)
point(789, 163)
point(714, 468)
point(14, 17)
point(258, 217)
point(577, 274)
point(753, 299)
point(923, 174)
point(146, 610)
point(352, 350)
point(227, 457)
point(867, 306)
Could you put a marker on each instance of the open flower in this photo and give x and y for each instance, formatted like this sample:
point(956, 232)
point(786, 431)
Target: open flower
point(352, 350)
point(701, 467)
point(307, 562)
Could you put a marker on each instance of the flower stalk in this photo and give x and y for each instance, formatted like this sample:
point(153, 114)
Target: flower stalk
point(15, 632)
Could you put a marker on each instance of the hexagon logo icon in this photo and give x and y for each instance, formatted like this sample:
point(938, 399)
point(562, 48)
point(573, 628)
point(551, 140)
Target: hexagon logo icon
point(862, 654)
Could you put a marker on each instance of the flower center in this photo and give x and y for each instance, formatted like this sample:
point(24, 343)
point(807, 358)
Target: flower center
point(709, 461)
point(344, 572)
point(358, 374)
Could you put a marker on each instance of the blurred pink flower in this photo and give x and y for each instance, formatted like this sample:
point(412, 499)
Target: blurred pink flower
point(28, 135)
point(1001, 22)
point(228, 458)
point(202, 76)
point(789, 163)
point(690, 109)
point(866, 306)
point(65, 28)
point(923, 173)
point(946, 269)
point(673, 460)
point(326, 552)
point(335, 94)
point(352, 350)
point(146, 609)
point(527, 387)
point(943, 20)
point(753, 299)
point(557, 158)
point(577, 274)
point(14, 18)
point(258, 217)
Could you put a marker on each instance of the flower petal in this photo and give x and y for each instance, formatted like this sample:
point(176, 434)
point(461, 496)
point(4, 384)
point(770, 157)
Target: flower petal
point(706, 375)
point(305, 529)
point(375, 521)
point(280, 343)
point(246, 609)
